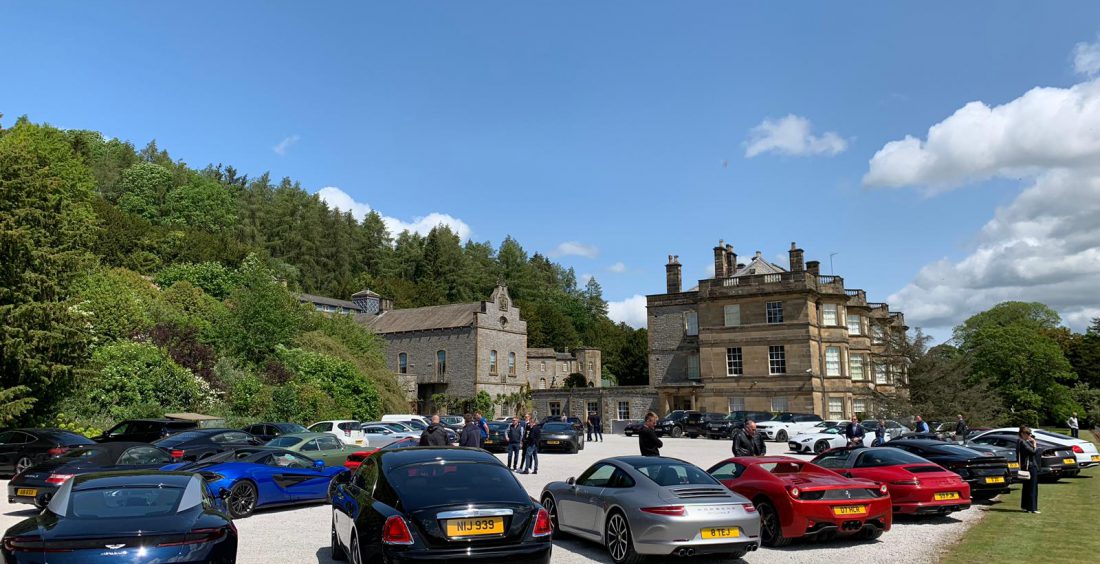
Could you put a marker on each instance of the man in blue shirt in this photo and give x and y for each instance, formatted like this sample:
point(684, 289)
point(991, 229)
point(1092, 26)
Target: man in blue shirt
point(921, 426)
point(482, 425)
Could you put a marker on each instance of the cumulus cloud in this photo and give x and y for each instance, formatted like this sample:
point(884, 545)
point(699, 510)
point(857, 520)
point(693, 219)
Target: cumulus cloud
point(285, 145)
point(576, 249)
point(1043, 246)
point(1086, 58)
point(1045, 128)
point(630, 311)
point(341, 200)
point(791, 135)
point(617, 268)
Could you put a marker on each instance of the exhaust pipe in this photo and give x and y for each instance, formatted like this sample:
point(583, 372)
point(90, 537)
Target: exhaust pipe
point(686, 552)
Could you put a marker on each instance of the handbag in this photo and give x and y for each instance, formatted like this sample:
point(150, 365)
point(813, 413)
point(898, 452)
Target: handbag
point(1023, 474)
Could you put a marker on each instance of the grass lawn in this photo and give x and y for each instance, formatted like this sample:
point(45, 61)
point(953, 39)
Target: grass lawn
point(1065, 531)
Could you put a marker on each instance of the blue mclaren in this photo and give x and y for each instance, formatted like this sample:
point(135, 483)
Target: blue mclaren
point(256, 477)
point(125, 517)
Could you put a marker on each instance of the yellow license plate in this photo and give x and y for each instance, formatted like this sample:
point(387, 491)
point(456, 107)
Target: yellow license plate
point(1096, 458)
point(995, 480)
point(488, 441)
point(720, 533)
point(475, 527)
point(29, 492)
point(849, 510)
point(553, 442)
point(1069, 461)
point(944, 496)
point(359, 442)
point(1014, 465)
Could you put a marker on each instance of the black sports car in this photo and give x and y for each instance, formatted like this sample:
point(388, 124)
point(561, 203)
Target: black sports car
point(267, 431)
point(47, 476)
point(126, 517)
point(559, 436)
point(498, 436)
point(725, 427)
point(988, 475)
point(433, 504)
point(1056, 461)
point(201, 443)
point(22, 448)
point(145, 430)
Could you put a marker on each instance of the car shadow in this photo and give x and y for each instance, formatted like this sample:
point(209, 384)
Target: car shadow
point(594, 552)
point(927, 519)
point(844, 543)
point(324, 556)
point(28, 512)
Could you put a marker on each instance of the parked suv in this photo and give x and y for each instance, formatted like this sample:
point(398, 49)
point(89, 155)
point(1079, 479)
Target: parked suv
point(787, 425)
point(145, 430)
point(695, 424)
point(724, 428)
point(673, 423)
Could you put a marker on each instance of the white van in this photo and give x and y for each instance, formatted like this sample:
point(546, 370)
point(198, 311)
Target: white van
point(406, 417)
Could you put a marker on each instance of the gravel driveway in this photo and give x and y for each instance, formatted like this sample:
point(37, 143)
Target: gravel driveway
point(301, 535)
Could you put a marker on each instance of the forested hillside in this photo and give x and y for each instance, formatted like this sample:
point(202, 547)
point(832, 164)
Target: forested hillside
point(132, 283)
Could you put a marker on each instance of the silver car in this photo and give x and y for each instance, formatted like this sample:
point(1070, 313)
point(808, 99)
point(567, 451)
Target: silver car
point(652, 505)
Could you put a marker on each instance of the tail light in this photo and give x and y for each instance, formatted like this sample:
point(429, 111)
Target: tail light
point(197, 536)
point(667, 510)
point(58, 478)
point(748, 507)
point(396, 531)
point(1078, 449)
point(543, 526)
point(794, 491)
point(177, 454)
point(913, 482)
point(57, 450)
point(29, 544)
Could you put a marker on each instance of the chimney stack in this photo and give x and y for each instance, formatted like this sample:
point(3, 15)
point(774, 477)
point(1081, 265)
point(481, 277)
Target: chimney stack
point(813, 267)
point(731, 261)
point(720, 260)
point(796, 258)
point(672, 275)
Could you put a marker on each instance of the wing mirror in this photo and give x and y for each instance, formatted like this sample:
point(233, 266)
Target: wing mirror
point(571, 481)
point(43, 499)
point(318, 464)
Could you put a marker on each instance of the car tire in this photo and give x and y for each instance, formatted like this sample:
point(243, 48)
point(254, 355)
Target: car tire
point(617, 539)
point(552, 508)
point(337, 553)
point(356, 556)
point(781, 436)
point(821, 446)
point(693, 435)
point(628, 433)
point(242, 499)
point(572, 449)
point(22, 464)
point(771, 530)
point(676, 432)
point(870, 533)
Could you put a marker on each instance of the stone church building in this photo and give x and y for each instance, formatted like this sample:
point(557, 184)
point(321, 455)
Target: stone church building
point(461, 349)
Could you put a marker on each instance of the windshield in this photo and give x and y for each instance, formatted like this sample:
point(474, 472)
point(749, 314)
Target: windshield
point(556, 427)
point(291, 428)
point(81, 453)
point(397, 427)
point(284, 442)
point(673, 473)
point(70, 439)
point(107, 503)
point(400, 443)
point(432, 483)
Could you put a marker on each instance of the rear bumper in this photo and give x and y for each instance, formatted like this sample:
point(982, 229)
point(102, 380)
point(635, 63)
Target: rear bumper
point(565, 446)
point(813, 518)
point(13, 496)
point(696, 548)
point(526, 553)
point(931, 507)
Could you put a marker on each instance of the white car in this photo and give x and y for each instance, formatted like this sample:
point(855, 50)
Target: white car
point(820, 427)
point(381, 434)
point(405, 417)
point(351, 432)
point(817, 443)
point(780, 431)
point(1085, 451)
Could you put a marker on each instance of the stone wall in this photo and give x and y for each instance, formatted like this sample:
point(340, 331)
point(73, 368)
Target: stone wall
point(669, 345)
point(421, 348)
point(574, 402)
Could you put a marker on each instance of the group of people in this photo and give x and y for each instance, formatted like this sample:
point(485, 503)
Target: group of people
point(746, 441)
point(521, 439)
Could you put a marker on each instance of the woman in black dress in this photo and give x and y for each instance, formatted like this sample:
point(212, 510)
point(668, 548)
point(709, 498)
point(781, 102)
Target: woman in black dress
point(1027, 454)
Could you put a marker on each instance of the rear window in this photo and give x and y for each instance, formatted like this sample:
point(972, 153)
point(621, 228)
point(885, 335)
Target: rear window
point(284, 442)
point(108, 503)
point(958, 450)
point(887, 457)
point(502, 426)
point(432, 483)
point(673, 473)
point(348, 426)
point(1055, 435)
point(82, 453)
point(67, 438)
point(556, 427)
point(180, 438)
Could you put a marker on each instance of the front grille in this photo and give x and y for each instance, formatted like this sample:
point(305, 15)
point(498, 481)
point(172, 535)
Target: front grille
point(687, 493)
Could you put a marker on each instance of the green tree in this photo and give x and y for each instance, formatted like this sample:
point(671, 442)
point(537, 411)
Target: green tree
point(140, 380)
point(13, 403)
point(144, 189)
point(213, 278)
point(202, 203)
point(351, 390)
point(262, 313)
point(117, 303)
point(576, 380)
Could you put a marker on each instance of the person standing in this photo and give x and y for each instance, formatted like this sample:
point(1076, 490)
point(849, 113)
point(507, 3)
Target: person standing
point(597, 427)
point(589, 427)
point(961, 429)
point(921, 426)
point(854, 432)
point(648, 443)
point(531, 460)
point(514, 439)
point(525, 425)
point(434, 435)
point(880, 433)
point(482, 427)
point(743, 440)
point(470, 436)
point(1027, 455)
point(1074, 426)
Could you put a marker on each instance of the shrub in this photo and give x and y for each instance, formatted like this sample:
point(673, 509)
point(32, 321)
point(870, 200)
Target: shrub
point(140, 380)
point(213, 278)
point(352, 392)
point(118, 302)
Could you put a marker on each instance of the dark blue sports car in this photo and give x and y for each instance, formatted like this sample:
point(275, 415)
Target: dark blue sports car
point(125, 517)
point(46, 477)
point(255, 477)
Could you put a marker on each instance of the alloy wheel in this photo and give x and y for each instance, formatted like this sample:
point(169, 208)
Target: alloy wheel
point(820, 447)
point(22, 465)
point(552, 509)
point(242, 499)
point(618, 537)
point(356, 555)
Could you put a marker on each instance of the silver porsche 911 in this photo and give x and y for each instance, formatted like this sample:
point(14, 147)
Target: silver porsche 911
point(652, 505)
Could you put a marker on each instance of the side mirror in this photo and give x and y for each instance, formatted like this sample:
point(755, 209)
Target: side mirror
point(43, 499)
point(318, 464)
point(571, 481)
point(223, 494)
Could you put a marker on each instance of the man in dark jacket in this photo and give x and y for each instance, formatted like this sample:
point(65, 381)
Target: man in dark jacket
point(597, 426)
point(434, 435)
point(853, 431)
point(743, 440)
point(514, 438)
point(961, 429)
point(471, 435)
point(758, 446)
point(648, 443)
point(531, 460)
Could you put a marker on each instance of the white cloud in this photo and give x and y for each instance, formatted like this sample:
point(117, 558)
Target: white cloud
point(791, 136)
point(1043, 129)
point(575, 248)
point(1086, 58)
point(285, 145)
point(617, 268)
point(341, 200)
point(1044, 246)
point(631, 311)
point(585, 277)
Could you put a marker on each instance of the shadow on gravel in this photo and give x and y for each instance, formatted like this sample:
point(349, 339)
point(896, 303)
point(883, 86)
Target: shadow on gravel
point(567, 548)
point(324, 556)
point(839, 543)
point(925, 520)
point(30, 512)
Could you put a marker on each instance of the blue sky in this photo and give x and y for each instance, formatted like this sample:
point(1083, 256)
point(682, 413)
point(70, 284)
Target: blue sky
point(633, 129)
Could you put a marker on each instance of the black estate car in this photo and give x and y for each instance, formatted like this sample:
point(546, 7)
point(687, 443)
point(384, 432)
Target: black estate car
point(267, 431)
point(145, 430)
point(724, 428)
point(673, 423)
point(47, 476)
point(201, 443)
point(695, 424)
point(22, 448)
point(436, 504)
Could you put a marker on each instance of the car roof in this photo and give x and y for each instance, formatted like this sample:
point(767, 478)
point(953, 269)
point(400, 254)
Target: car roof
point(404, 457)
point(130, 478)
point(304, 436)
point(115, 448)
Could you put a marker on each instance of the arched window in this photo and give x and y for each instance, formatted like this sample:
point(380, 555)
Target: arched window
point(511, 364)
point(441, 363)
point(402, 363)
point(542, 383)
point(492, 362)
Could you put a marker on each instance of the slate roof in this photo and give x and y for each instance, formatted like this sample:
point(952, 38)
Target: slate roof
point(322, 300)
point(421, 318)
point(759, 266)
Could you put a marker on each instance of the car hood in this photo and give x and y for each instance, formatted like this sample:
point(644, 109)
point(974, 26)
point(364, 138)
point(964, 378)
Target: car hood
point(51, 527)
point(815, 436)
point(823, 481)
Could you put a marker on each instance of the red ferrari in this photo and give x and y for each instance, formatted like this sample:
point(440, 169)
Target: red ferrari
point(356, 458)
point(916, 485)
point(799, 499)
